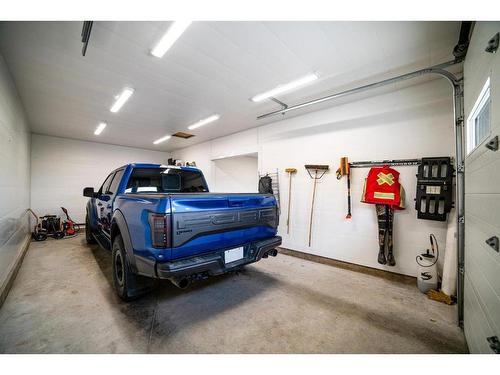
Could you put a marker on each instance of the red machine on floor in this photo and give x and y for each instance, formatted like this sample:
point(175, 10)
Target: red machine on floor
point(69, 226)
point(53, 226)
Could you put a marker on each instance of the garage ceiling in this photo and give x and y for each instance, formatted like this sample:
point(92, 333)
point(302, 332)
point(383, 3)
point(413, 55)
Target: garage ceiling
point(215, 67)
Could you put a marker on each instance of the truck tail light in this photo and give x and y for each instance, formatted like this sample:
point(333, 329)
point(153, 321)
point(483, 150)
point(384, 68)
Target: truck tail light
point(161, 233)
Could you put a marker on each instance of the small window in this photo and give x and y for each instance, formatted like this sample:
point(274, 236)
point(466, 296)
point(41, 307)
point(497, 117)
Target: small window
point(113, 187)
point(105, 184)
point(479, 121)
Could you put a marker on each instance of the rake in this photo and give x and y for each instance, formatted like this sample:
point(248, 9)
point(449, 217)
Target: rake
point(319, 172)
point(290, 171)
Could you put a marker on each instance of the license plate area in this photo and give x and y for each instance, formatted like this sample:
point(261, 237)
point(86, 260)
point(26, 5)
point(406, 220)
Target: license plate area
point(233, 255)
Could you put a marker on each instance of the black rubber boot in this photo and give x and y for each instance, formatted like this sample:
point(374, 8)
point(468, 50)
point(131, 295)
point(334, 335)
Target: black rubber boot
point(381, 256)
point(382, 226)
point(390, 220)
point(390, 259)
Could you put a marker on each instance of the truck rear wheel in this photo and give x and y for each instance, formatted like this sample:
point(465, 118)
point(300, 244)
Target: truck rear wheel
point(127, 284)
point(121, 270)
point(88, 231)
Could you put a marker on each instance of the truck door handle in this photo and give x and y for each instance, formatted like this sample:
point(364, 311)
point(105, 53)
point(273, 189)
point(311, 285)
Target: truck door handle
point(236, 203)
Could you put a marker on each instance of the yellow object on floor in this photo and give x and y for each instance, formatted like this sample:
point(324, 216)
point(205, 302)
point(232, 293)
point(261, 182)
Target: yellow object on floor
point(440, 296)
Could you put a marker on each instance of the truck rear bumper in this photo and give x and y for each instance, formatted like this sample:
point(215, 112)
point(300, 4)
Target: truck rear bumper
point(213, 263)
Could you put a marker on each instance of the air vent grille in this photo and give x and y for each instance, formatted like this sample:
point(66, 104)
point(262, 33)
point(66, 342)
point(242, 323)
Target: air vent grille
point(182, 135)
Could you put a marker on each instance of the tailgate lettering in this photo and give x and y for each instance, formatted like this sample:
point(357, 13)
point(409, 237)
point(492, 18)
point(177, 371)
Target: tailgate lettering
point(193, 224)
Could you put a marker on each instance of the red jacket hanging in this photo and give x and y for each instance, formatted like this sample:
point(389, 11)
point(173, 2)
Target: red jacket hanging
point(382, 187)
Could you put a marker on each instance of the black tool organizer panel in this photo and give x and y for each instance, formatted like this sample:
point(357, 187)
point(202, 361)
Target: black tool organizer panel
point(434, 188)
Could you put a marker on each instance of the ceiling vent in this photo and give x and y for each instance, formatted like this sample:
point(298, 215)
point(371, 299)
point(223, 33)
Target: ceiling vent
point(182, 135)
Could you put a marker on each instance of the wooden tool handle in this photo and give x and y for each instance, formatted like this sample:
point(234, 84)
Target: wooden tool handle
point(312, 207)
point(289, 202)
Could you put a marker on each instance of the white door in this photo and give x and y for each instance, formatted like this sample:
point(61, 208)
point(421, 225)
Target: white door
point(482, 191)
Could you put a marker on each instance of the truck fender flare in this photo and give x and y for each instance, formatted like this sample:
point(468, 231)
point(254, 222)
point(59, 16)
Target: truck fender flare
point(119, 222)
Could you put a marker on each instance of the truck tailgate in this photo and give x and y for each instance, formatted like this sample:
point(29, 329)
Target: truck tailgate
point(210, 221)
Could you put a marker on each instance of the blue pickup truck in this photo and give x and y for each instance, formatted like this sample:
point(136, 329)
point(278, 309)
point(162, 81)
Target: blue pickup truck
point(161, 222)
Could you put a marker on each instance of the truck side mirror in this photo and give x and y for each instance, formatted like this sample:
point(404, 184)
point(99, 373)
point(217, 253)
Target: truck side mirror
point(89, 192)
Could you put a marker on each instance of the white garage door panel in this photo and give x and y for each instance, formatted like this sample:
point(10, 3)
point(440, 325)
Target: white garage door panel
point(484, 175)
point(482, 199)
point(476, 325)
point(488, 299)
point(483, 254)
point(485, 207)
point(481, 156)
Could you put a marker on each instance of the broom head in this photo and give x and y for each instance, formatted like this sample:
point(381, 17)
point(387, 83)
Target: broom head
point(319, 167)
point(290, 170)
point(316, 168)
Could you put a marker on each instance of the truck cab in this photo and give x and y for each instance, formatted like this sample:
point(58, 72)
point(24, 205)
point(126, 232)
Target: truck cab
point(161, 222)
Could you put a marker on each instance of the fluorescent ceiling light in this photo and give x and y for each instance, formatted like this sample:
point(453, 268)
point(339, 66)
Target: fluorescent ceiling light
point(204, 122)
point(286, 87)
point(173, 33)
point(163, 139)
point(100, 128)
point(121, 99)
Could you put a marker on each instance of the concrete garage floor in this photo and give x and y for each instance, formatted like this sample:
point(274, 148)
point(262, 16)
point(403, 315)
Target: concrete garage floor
point(62, 302)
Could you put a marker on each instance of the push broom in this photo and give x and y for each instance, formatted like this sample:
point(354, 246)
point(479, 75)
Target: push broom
point(290, 171)
point(319, 171)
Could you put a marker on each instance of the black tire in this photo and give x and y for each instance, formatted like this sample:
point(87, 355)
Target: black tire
point(58, 235)
point(127, 284)
point(88, 231)
point(39, 236)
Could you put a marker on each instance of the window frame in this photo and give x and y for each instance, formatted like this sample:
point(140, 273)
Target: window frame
point(483, 98)
point(108, 192)
point(104, 186)
point(197, 172)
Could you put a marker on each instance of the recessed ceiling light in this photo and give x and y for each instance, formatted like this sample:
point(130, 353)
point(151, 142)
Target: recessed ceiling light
point(121, 99)
point(286, 87)
point(100, 128)
point(173, 33)
point(163, 139)
point(204, 122)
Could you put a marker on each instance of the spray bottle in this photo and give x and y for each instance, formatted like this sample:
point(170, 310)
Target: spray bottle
point(427, 274)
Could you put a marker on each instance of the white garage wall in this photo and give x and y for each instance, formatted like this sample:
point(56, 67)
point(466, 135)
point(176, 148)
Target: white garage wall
point(62, 167)
point(15, 176)
point(236, 174)
point(409, 123)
